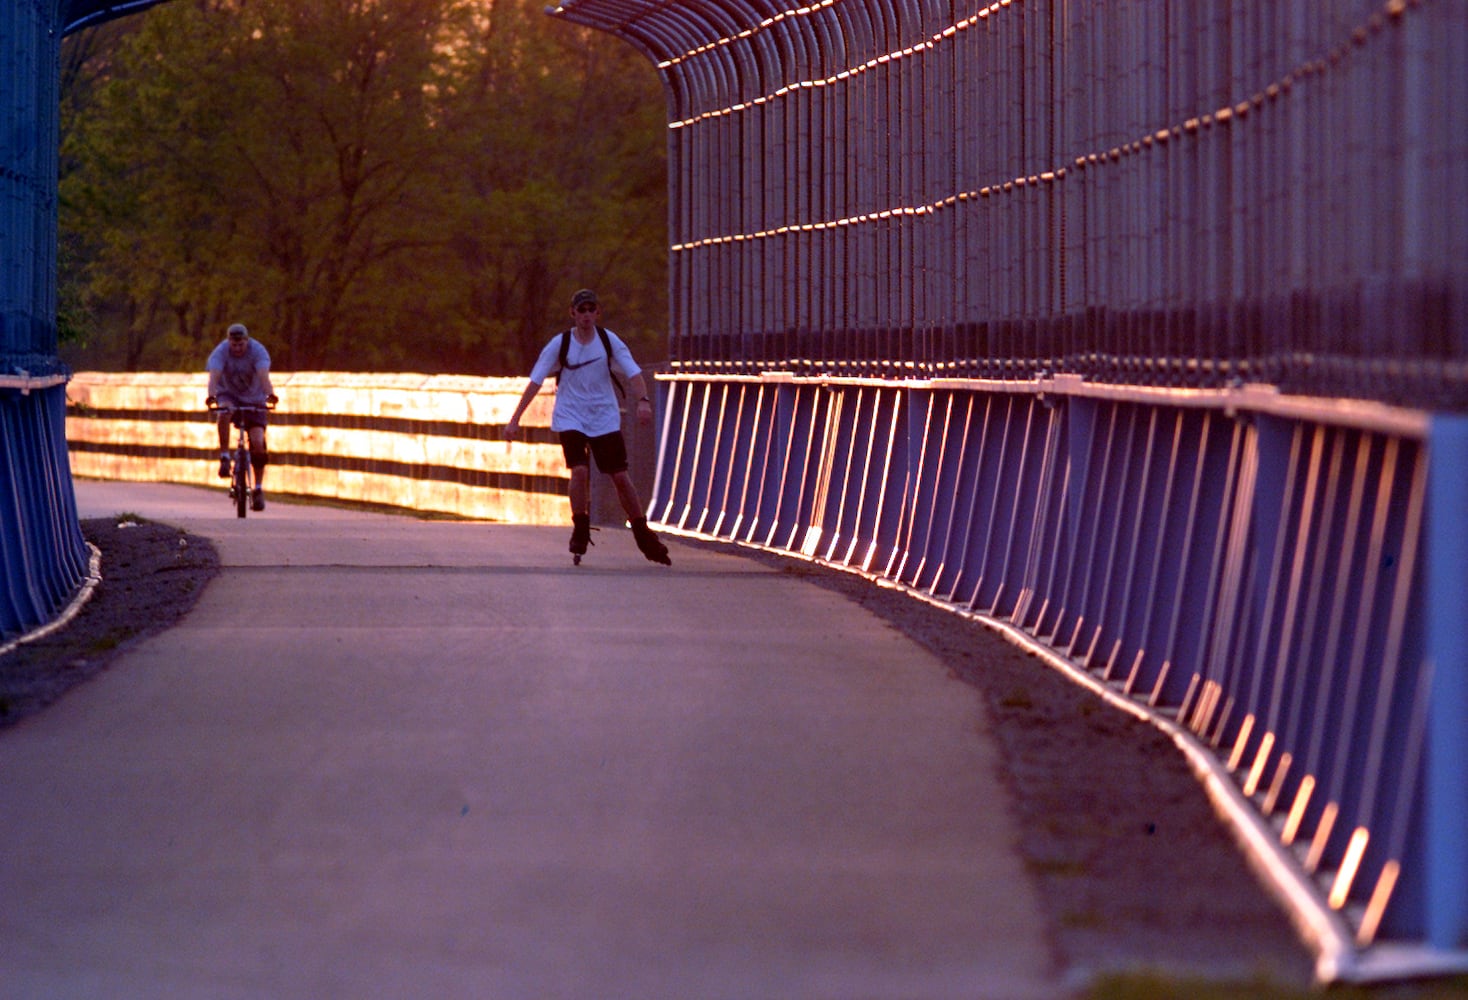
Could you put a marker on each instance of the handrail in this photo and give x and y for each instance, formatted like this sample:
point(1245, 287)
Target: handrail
point(1243, 570)
point(27, 383)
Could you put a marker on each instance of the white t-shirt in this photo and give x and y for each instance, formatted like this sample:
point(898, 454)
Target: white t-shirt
point(586, 400)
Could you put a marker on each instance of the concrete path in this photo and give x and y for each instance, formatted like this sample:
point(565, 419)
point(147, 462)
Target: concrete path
point(392, 758)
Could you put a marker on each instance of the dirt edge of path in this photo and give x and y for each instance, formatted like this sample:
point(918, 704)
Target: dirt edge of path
point(151, 575)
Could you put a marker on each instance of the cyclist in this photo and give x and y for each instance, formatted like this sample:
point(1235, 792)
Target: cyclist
point(239, 375)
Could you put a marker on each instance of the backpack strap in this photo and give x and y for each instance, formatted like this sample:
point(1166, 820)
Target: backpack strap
point(606, 343)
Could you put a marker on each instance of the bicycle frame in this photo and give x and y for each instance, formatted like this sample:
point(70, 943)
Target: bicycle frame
point(239, 484)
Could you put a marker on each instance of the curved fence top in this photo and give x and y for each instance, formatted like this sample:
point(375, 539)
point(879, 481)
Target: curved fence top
point(78, 14)
point(1161, 194)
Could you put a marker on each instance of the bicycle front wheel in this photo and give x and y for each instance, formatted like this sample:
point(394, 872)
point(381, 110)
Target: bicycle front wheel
point(241, 482)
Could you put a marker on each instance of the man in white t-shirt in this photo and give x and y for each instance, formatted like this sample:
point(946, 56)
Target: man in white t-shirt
point(589, 420)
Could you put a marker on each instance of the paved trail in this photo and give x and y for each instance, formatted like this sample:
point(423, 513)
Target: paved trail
point(390, 758)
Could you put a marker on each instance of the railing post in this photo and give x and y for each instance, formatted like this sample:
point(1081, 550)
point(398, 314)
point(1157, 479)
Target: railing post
point(1446, 876)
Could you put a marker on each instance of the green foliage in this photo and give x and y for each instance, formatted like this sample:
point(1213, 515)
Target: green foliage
point(415, 185)
point(73, 320)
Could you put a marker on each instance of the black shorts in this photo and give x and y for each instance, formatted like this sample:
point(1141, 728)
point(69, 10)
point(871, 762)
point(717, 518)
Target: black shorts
point(609, 450)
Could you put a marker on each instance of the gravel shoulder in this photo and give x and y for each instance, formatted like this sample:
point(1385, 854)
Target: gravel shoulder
point(1135, 869)
point(152, 574)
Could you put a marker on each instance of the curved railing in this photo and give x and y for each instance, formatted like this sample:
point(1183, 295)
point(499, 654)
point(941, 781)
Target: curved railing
point(1122, 326)
point(1248, 571)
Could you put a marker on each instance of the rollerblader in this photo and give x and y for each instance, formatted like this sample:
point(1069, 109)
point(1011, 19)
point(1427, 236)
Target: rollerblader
point(586, 361)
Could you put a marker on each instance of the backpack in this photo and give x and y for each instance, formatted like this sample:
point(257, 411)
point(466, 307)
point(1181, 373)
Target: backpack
point(606, 343)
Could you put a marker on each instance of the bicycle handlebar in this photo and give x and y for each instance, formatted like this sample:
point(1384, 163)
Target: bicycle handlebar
point(236, 414)
point(215, 407)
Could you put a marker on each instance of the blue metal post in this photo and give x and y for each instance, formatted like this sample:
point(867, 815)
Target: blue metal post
point(30, 45)
point(1447, 650)
point(41, 544)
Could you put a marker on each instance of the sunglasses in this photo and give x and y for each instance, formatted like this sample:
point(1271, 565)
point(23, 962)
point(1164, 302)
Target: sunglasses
point(586, 307)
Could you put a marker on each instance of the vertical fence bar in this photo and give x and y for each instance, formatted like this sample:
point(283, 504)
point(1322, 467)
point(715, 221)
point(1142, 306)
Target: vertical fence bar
point(1446, 855)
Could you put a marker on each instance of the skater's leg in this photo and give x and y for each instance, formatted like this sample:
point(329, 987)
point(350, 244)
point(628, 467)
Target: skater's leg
point(647, 540)
point(580, 490)
point(578, 458)
point(648, 543)
point(627, 495)
point(580, 535)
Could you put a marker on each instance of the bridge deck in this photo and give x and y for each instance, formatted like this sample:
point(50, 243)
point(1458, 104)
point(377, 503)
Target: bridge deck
point(391, 757)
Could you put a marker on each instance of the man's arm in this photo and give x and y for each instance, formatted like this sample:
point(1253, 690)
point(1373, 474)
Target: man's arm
point(262, 368)
point(639, 393)
point(623, 362)
point(216, 374)
point(512, 428)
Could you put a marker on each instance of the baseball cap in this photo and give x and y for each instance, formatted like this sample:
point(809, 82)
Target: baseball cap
point(237, 331)
point(585, 295)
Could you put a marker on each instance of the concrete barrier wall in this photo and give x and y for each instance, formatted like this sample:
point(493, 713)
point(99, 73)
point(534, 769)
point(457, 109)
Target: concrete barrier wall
point(427, 443)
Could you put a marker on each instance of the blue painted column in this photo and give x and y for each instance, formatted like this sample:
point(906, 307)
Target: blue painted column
point(1447, 650)
point(30, 46)
point(42, 553)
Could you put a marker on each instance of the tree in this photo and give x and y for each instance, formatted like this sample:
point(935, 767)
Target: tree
point(367, 185)
point(565, 172)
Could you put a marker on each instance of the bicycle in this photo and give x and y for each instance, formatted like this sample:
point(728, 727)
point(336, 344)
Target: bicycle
point(239, 483)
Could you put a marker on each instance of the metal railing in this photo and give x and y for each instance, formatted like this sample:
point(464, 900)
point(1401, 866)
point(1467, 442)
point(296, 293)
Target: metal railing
point(1243, 569)
point(1123, 327)
point(1158, 193)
